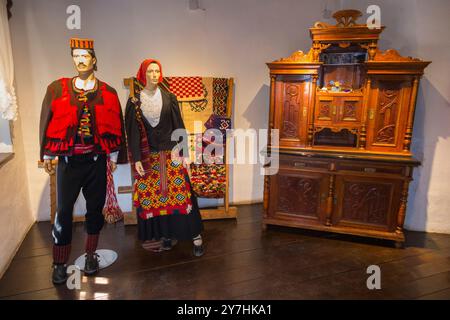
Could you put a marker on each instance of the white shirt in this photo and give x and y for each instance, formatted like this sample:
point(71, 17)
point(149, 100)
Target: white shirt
point(84, 85)
point(151, 106)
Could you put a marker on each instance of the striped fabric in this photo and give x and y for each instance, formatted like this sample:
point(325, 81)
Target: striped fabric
point(83, 149)
point(91, 243)
point(152, 245)
point(61, 254)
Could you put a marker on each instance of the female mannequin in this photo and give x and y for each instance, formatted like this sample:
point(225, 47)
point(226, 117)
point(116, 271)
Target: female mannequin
point(167, 210)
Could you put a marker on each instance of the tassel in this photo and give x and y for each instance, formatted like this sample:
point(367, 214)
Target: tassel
point(163, 186)
point(111, 211)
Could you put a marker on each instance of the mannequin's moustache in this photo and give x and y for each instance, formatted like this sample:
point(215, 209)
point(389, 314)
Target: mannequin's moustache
point(82, 65)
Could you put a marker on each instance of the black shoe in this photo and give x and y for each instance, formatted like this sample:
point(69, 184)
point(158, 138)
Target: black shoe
point(198, 250)
point(59, 275)
point(91, 266)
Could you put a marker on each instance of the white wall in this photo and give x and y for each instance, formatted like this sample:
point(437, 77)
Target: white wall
point(15, 214)
point(232, 38)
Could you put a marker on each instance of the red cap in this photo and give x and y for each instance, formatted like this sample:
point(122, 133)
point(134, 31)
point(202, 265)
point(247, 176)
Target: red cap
point(77, 43)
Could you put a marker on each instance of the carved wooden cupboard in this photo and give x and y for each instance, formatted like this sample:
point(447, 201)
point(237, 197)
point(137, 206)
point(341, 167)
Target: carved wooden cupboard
point(345, 114)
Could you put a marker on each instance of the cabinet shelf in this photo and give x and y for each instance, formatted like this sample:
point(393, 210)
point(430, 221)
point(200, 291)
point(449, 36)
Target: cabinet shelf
point(356, 93)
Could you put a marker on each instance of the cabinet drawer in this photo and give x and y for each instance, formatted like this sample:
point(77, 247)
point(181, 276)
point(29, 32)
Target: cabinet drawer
point(370, 168)
point(302, 163)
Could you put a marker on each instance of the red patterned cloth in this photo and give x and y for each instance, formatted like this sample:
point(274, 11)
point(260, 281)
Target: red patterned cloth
point(111, 210)
point(186, 87)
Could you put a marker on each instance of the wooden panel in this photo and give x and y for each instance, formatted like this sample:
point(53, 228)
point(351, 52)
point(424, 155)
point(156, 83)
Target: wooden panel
point(367, 202)
point(298, 196)
point(388, 114)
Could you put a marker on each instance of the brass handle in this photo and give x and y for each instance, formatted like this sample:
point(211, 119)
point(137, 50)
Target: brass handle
point(370, 170)
point(371, 114)
point(299, 164)
point(334, 110)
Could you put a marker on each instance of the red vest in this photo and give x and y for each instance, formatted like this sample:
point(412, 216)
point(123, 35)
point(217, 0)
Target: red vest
point(62, 127)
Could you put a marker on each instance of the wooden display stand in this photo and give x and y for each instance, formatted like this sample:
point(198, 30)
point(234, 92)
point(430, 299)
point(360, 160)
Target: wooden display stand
point(223, 212)
point(345, 114)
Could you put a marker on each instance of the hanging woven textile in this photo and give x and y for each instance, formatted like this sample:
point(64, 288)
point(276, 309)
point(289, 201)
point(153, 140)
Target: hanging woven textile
point(111, 211)
point(204, 100)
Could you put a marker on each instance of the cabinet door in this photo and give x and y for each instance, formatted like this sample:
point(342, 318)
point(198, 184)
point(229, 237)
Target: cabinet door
point(325, 111)
point(298, 196)
point(369, 202)
point(348, 111)
point(388, 113)
point(292, 96)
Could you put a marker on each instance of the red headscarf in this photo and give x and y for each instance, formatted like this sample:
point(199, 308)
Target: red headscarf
point(142, 73)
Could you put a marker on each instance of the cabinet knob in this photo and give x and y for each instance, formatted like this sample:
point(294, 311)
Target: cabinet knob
point(299, 164)
point(370, 170)
point(371, 114)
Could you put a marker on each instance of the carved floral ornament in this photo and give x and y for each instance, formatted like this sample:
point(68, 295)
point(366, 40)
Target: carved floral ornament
point(392, 55)
point(388, 55)
point(344, 18)
point(299, 56)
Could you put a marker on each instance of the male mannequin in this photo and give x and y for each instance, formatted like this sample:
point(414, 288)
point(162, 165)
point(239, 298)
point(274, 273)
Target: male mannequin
point(81, 123)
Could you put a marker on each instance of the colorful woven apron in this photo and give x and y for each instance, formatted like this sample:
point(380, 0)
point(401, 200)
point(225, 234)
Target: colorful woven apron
point(164, 189)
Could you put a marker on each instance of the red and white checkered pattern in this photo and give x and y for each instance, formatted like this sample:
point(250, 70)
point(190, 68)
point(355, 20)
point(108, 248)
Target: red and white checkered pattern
point(186, 87)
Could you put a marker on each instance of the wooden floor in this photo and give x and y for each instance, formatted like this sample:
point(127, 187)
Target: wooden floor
point(241, 262)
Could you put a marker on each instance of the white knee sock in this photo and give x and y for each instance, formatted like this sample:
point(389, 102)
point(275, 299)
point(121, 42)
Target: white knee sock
point(198, 240)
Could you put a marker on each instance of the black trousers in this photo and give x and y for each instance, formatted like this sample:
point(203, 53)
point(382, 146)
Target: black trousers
point(79, 173)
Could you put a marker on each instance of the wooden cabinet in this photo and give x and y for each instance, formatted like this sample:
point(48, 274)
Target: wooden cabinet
point(345, 114)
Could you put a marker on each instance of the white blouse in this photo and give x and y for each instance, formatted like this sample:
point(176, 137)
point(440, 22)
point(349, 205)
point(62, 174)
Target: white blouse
point(151, 106)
